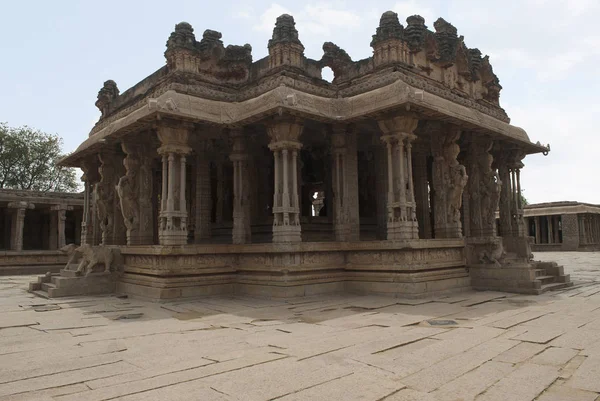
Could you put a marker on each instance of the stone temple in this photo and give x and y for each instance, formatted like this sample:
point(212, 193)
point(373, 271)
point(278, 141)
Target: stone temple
point(218, 174)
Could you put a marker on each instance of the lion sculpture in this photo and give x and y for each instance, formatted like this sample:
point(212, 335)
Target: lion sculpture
point(91, 256)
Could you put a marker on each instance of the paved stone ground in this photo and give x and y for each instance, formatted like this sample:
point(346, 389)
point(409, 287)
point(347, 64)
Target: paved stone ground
point(468, 346)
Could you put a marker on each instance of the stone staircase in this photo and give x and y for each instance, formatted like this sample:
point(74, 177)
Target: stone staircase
point(518, 275)
point(550, 276)
point(67, 284)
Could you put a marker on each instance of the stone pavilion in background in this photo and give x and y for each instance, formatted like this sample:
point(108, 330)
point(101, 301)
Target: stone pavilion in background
point(205, 174)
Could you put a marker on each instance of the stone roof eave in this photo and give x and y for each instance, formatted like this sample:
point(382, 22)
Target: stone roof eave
point(283, 98)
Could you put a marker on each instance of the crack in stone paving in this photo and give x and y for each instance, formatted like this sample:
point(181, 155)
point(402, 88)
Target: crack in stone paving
point(63, 371)
point(309, 387)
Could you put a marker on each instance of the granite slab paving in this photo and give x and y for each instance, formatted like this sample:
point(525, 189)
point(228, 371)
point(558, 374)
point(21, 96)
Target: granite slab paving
point(500, 347)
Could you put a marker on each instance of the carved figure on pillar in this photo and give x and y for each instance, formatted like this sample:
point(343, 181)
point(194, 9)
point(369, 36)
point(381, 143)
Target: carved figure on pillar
point(449, 180)
point(107, 202)
point(491, 186)
point(173, 229)
point(135, 193)
point(398, 137)
point(285, 145)
point(90, 177)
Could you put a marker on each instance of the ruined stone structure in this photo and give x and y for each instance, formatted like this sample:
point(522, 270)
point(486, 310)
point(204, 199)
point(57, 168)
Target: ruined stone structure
point(34, 226)
point(563, 226)
point(208, 172)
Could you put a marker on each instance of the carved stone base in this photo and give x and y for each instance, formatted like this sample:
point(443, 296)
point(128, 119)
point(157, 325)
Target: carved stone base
point(484, 251)
point(401, 230)
point(172, 237)
point(287, 234)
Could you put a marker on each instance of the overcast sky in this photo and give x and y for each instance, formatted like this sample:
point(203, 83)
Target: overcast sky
point(55, 55)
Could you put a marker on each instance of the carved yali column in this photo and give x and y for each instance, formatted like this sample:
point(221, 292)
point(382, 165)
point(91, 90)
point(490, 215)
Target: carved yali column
point(135, 193)
point(108, 209)
point(346, 224)
point(173, 214)
point(285, 146)
point(202, 221)
point(242, 232)
point(484, 187)
point(17, 223)
point(90, 177)
point(398, 136)
point(449, 180)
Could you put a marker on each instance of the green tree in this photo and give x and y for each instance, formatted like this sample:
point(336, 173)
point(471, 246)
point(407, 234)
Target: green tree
point(28, 161)
point(524, 200)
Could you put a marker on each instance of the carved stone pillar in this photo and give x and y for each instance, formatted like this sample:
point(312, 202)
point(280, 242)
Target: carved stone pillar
point(344, 170)
point(17, 223)
point(173, 215)
point(398, 136)
point(550, 229)
point(422, 193)
point(506, 204)
point(108, 207)
point(484, 187)
point(135, 193)
point(53, 231)
point(202, 222)
point(518, 222)
point(449, 180)
point(285, 146)
point(242, 232)
point(58, 219)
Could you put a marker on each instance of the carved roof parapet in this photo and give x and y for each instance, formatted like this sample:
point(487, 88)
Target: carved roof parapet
point(285, 31)
point(210, 70)
point(389, 28)
point(107, 96)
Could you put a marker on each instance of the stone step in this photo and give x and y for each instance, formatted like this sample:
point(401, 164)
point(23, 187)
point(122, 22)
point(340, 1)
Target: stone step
point(540, 272)
point(35, 287)
point(40, 293)
point(47, 286)
point(546, 279)
point(69, 273)
point(555, 286)
point(564, 278)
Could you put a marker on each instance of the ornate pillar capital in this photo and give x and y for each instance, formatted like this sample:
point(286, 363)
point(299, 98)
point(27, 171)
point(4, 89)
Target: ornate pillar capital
point(404, 123)
point(285, 133)
point(174, 136)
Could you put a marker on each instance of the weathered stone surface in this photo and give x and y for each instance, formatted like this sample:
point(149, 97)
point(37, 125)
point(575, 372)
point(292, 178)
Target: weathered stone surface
point(523, 384)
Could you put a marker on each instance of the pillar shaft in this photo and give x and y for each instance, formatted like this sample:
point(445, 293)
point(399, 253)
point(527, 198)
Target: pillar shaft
point(17, 223)
point(346, 224)
point(402, 220)
point(284, 136)
point(202, 222)
point(242, 230)
point(173, 229)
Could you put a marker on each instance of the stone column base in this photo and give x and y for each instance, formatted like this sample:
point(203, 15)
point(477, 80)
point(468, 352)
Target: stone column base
point(400, 230)
point(172, 237)
point(287, 234)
